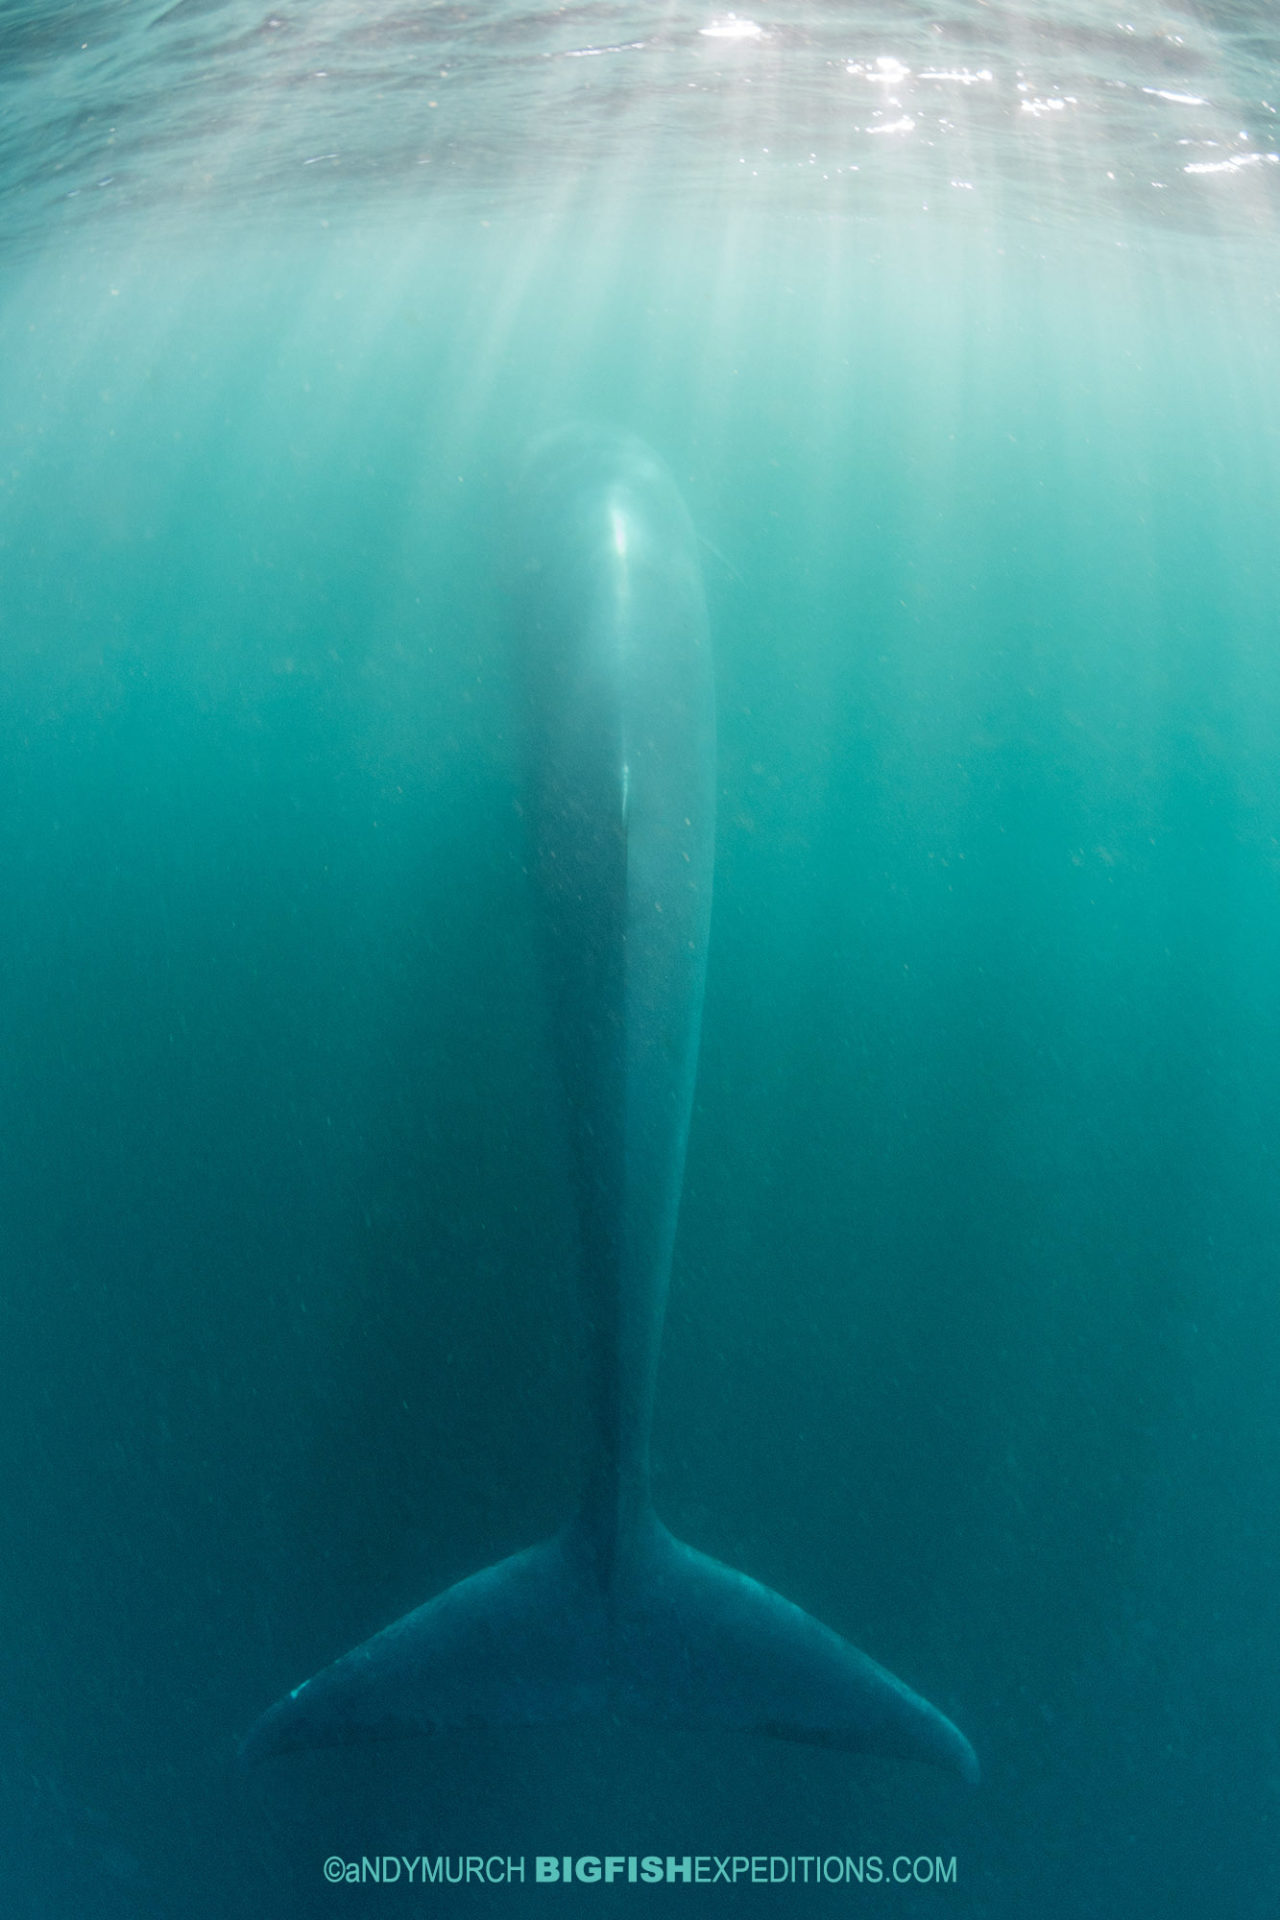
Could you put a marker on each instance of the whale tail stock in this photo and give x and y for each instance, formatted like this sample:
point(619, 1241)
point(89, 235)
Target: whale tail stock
point(660, 1635)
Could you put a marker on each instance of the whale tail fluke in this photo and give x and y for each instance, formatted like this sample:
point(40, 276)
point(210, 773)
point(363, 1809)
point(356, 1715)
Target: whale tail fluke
point(667, 1637)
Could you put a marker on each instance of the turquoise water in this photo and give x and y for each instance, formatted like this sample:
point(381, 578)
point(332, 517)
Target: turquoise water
point(972, 1339)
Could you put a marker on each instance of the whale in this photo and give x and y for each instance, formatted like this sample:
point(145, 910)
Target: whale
point(614, 1618)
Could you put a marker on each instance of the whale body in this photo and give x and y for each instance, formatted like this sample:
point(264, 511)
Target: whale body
point(613, 1616)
